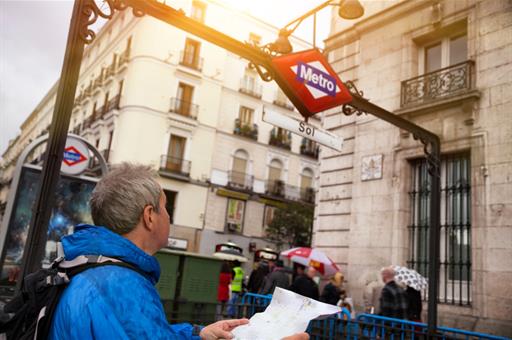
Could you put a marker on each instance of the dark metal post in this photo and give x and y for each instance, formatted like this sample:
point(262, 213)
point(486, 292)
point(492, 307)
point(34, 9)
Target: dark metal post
point(36, 240)
point(434, 235)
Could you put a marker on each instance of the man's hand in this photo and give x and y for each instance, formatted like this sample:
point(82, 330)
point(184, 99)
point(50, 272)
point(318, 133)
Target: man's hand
point(221, 329)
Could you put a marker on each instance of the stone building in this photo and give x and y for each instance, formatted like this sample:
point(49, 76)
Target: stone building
point(153, 94)
point(447, 67)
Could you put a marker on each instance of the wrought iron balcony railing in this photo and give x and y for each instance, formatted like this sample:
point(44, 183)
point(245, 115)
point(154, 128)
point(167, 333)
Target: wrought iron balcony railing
point(184, 108)
point(240, 180)
point(246, 130)
point(111, 69)
point(281, 140)
point(307, 195)
point(275, 188)
point(309, 148)
point(175, 165)
point(250, 87)
point(440, 84)
point(191, 60)
point(113, 104)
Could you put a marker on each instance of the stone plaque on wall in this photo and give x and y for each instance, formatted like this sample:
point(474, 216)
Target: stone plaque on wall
point(371, 167)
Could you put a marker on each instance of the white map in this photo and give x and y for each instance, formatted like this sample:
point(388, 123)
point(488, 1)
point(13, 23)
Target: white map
point(287, 314)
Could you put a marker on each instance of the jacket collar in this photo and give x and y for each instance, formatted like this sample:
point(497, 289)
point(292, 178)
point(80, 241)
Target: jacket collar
point(95, 240)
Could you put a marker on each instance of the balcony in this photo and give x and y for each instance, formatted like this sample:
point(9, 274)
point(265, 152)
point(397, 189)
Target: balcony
point(280, 138)
point(113, 104)
point(88, 90)
point(307, 195)
point(441, 84)
point(309, 148)
point(249, 86)
point(191, 60)
point(184, 108)
point(240, 180)
point(275, 188)
point(175, 165)
point(111, 69)
point(98, 81)
point(283, 102)
point(246, 130)
point(124, 58)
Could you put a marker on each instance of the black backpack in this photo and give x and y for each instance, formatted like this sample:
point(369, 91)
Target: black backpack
point(33, 307)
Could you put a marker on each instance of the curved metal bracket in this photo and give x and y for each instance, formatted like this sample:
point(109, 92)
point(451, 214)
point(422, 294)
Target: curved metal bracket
point(349, 109)
point(91, 12)
point(433, 162)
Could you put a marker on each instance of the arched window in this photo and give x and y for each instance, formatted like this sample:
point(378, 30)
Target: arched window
point(275, 185)
point(306, 178)
point(239, 169)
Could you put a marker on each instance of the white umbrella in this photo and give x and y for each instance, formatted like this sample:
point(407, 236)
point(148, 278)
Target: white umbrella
point(410, 277)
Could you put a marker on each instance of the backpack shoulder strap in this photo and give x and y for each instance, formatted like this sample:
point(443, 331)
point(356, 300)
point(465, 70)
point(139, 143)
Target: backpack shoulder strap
point(83, 262)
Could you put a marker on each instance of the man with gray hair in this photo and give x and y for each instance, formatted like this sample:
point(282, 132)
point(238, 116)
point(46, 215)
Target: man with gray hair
point(393, 302)
point(128, 207)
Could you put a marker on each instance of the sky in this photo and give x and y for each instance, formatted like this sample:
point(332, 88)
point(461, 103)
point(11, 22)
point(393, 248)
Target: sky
point(33, 38)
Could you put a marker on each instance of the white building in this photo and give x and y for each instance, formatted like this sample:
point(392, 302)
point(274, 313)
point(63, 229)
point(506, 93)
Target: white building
point(447, 67)
point(153, 94)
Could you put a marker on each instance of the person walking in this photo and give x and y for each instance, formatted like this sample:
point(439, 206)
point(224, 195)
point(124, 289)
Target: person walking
point(277, 278)
point(332, 290)
point(258, 276)
point(304, 284)
point(393, 301)
point(223, 290)
point(236, 287)
point(414, 304)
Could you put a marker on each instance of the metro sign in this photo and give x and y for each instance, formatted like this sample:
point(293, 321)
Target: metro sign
point(312, 81)
point(72, 156)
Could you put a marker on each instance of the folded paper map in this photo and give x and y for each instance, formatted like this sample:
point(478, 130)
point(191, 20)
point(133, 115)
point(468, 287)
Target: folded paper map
point(287, 314)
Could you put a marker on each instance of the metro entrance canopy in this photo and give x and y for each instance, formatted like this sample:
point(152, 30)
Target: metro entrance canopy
point(86, 12)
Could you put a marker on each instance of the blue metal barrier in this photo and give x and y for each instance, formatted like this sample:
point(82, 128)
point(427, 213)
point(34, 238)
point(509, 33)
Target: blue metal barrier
point(365, 326)
point(380, 326)
point(255, 303)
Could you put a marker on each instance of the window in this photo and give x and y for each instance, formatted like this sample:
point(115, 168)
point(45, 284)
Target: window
point(175, 153)
point(190, 55)
point(268, 216)
point(184, 103)
point(198, 11)
point(238, 175)
point(171, 203)
point(246, 116)
point(447, 52)
point(275, 185)
point(306, 179)
point(455, 226)
point(235, 215)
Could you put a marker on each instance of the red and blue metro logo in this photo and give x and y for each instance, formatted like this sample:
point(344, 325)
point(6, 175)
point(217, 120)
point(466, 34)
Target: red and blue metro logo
point(72, 156)
point(312, 80)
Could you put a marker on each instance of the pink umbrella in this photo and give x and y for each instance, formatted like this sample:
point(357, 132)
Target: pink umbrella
point(312, 257)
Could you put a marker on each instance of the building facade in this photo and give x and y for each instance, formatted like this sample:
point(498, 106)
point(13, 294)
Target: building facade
point(447, 67)
point(152, 94)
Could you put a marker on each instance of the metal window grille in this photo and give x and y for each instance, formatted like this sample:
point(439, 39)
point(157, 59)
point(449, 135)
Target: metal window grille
point(455, 226)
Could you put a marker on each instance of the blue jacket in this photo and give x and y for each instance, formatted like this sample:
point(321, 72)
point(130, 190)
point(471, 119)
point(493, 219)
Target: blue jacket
point(112, 302)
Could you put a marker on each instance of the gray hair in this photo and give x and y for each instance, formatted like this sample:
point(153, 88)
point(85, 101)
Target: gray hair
point(119, 198)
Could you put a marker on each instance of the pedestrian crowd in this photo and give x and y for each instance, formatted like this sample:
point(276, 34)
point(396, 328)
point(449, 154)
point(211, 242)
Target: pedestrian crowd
point(395, 300)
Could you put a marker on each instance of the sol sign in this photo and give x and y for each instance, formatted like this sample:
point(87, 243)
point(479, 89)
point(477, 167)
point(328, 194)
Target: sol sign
point(312, 81)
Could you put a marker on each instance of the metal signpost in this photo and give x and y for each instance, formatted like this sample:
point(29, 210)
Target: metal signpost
point(314, 74)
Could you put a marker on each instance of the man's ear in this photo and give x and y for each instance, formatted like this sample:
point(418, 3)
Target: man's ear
point(147, 217)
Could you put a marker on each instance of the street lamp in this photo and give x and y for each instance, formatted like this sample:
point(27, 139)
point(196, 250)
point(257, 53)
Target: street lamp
point(349, 9)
